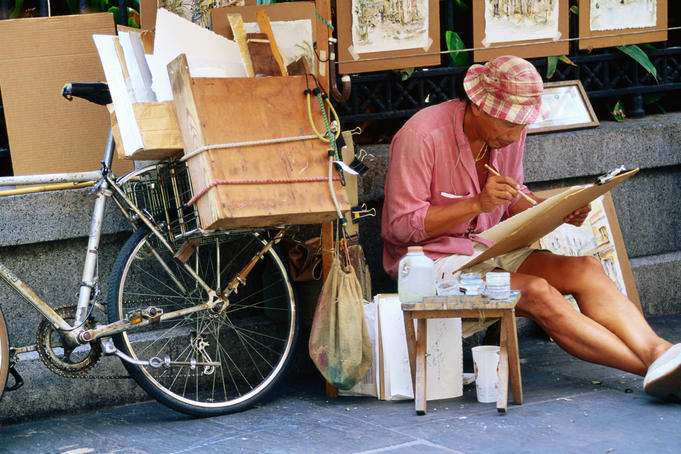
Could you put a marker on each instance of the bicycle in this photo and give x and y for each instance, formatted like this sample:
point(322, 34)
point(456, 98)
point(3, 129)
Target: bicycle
point(204, 321)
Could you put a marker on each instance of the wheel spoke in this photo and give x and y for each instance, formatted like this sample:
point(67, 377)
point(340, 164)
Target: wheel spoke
point(251, 339)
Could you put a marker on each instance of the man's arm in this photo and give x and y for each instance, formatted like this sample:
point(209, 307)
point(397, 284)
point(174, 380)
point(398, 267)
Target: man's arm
point(497, 191)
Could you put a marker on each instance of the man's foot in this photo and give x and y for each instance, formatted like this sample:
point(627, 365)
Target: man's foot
point(664, 375)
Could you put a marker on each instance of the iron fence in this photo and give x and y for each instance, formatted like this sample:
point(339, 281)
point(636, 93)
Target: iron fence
point(604, 73)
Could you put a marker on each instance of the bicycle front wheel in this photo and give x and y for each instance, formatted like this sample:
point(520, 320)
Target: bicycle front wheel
point(4, 354)
point(216, 362)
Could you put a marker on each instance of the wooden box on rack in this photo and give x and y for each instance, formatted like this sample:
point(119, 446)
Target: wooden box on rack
point(254, 185)
point(158, 127)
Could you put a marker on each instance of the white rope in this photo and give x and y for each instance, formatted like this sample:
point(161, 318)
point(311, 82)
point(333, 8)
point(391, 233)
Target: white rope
point(246, 144)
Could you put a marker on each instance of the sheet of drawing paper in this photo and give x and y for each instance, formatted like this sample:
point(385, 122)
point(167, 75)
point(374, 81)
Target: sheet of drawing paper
point(208, 54)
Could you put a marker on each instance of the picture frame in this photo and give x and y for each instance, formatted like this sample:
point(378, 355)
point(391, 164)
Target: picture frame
point(565, 105)
point(595, 33)
point(365, 47)
point(548, 26)
point(600, 236)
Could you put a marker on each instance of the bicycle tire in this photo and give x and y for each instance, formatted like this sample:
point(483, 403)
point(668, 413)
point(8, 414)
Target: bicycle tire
point(4, 353)
point(253, 339)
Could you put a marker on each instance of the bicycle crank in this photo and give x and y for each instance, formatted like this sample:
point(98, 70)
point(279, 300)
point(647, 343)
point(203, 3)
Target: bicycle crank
point(58, 355)
point(155, 361)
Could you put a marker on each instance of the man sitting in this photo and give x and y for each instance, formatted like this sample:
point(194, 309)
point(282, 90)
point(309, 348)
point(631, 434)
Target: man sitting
point(439, 194)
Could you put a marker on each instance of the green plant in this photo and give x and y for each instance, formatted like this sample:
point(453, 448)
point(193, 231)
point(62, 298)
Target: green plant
point(454, 42)
point(552, 63)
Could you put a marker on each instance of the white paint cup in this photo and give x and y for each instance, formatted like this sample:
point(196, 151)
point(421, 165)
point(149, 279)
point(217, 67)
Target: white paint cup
point(486, 363)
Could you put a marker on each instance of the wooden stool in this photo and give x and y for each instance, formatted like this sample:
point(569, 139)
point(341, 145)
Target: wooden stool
point(465, 307)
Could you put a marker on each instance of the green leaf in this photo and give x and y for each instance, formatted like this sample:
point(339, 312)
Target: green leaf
point(641, 58)
point(551, 63)
point(618, 111)
point(652, 98)
point(574, 10)
point(454, 42)
point(404, 73)
point(18, 9)
point(564, 59)
point(461, 4)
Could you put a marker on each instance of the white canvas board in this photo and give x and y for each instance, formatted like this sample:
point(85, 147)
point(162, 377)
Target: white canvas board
point(514, 223)
point(121, 93)
point(368, 386)
point(208, 54)
point(294, 39)
point(509, 20)
point(621, 14)
point(380, 26)
point(140, 76)
point(444, 374)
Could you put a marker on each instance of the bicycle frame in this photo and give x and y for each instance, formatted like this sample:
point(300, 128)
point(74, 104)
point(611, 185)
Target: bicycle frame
point(76, 334)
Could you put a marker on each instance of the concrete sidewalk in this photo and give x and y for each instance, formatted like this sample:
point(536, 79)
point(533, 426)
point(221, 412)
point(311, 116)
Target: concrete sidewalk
point(570, 407)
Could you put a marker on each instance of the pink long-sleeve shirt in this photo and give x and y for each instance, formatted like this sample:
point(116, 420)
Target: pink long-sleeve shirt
point(430, 155)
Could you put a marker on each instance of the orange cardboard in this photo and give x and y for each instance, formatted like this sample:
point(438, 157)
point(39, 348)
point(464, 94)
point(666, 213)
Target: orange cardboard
point(48, 134)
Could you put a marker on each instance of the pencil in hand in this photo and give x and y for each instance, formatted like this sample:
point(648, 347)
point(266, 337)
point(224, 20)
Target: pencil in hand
point(527, 197)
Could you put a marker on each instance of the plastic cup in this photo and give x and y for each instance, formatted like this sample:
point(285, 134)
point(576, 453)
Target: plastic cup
point(471, 283)
point(486, 364)
point(448, 287)
point(498, 285)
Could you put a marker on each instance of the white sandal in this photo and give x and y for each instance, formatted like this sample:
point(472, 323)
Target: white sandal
point(664, 375)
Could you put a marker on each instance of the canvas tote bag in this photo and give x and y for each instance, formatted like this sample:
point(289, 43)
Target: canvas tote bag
point(339, 342)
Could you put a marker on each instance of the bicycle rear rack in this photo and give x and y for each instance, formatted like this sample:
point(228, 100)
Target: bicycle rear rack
point(162, 192)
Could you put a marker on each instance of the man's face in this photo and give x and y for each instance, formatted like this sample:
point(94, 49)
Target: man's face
point(496, 132)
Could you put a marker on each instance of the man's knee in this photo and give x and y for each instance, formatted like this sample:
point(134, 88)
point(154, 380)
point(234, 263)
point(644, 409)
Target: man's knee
point(583, 272)
point(536, 289)
point(588, 265)
point(541, 301)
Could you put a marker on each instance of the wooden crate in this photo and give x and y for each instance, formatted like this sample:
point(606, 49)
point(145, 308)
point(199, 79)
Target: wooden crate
point(158, 127)
point(235, 110)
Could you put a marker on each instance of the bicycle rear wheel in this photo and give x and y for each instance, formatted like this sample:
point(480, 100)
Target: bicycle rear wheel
point(252, 340)
point(4, 353)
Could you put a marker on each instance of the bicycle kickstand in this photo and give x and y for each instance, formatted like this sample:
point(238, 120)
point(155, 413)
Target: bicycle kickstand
point(18, 381)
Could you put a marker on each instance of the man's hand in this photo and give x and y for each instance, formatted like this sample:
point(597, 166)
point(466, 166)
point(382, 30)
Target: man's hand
point(578, 216)
point(497, 191)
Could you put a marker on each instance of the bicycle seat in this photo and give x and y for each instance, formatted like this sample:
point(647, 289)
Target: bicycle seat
point(96, 92)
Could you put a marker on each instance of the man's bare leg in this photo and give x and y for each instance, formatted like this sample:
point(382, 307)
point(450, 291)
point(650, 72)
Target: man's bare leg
point(573, 331)
point(599, 299)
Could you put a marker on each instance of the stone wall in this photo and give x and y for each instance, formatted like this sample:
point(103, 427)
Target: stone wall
point(43, 239)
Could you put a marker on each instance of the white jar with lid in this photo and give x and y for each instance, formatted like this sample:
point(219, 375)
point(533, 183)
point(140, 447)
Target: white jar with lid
point(415, 276)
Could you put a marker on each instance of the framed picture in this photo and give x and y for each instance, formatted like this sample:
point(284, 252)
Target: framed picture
point(599, 20)
point(564, 106)
point(498, 25)
point(376, 35)
point(600, 236)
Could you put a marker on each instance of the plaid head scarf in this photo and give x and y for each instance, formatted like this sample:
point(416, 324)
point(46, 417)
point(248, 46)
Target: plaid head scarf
point(506, 87)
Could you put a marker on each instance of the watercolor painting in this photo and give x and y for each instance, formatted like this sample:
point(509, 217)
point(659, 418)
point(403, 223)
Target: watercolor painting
point(520, 20)
point(621, 14)
point(389, 25)
point(594, 238)
point(198, 11)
